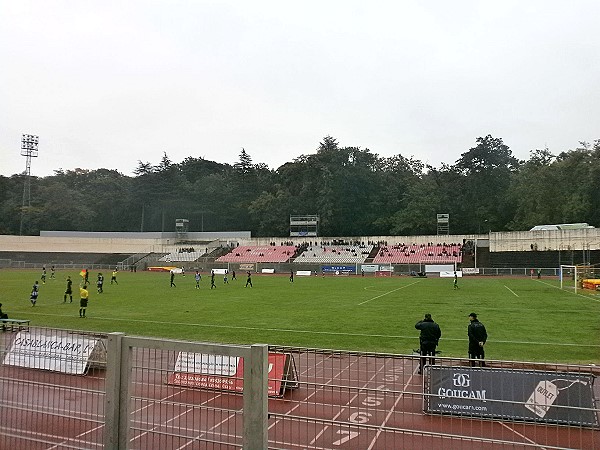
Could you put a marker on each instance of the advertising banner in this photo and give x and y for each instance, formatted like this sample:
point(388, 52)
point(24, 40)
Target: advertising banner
point(369, 268)
point(450, 274)
point(536, 396)
point(227, 372)
point(59, 351)
point(339, 269)
point(303, 273)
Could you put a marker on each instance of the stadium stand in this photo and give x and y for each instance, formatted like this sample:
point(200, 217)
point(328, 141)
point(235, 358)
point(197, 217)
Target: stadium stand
point(265, 253)
point(181, 256)
point(335, 254)
point(419, 253)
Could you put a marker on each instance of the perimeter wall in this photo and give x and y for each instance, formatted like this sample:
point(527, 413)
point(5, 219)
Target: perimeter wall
point(81, 242)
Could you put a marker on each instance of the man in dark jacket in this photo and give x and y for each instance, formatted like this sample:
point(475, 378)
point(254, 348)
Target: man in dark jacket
point(429, 338)
point(477, 338)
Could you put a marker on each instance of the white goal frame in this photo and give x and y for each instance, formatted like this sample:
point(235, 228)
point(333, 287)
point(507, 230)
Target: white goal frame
point(578, 274)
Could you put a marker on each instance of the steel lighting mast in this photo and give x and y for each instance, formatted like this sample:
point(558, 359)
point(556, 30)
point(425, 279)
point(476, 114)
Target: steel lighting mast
point(29, 149)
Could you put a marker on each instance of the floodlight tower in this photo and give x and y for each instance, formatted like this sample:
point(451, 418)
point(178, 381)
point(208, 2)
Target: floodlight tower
point(29, 149)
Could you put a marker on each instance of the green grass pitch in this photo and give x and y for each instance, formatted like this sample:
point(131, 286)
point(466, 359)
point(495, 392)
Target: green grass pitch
point(527, 319)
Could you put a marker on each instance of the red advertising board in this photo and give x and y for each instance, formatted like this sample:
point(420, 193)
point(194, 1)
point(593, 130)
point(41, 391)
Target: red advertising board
point(210, 376)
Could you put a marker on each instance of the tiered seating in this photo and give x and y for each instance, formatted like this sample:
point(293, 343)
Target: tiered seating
point(265, 253)
point(335, 254)
point(181, 256)
point(419, 253)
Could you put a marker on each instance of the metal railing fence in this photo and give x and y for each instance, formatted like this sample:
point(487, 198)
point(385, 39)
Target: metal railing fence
point(127, 397)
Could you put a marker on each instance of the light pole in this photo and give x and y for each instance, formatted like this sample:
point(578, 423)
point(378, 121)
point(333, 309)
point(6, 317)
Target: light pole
point(29, 149)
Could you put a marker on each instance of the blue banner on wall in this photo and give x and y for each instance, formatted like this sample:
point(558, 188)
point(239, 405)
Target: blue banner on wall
point(338, 269)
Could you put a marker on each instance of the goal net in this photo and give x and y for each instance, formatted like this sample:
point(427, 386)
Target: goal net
point(573, 277)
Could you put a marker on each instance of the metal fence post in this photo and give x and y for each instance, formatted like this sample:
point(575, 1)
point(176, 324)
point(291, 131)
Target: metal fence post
point(112, 397)
point(256, 407)
point(125, 398)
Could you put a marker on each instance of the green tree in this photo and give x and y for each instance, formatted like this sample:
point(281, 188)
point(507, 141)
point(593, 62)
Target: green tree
point(486, 171)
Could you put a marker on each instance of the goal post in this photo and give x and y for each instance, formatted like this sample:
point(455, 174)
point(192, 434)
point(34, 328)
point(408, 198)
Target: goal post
point(572, 277)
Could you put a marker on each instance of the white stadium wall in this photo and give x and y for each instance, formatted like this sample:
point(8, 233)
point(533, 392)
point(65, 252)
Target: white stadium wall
point(545, 240)
point(96, 242)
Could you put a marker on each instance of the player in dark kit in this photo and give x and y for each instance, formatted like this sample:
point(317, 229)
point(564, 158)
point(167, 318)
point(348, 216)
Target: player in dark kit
point(249, 279)
point(68, 291)
point(100, 283)
point(34, 293)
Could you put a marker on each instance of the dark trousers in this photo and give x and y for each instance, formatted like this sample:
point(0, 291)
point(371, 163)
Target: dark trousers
point(476, 352)
point(427, 349)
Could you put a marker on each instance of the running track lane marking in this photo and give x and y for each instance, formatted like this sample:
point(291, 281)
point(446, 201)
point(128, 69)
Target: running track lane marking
point(513, 292)
point(389, 292)
point(348, 404)
point(319, 389)
point(304, 372)
point(283, 330)
point(69, 440)
point(521, 435)
point(392, 409)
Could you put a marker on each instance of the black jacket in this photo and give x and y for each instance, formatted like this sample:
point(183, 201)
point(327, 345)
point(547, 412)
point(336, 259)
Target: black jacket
point(430, 331)
point(476, 332)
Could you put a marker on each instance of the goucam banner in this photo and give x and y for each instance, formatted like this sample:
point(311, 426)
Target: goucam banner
point(536, 396)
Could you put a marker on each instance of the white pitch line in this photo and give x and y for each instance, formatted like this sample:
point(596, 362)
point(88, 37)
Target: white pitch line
point(513, 292)
point(337, 333)
point(388, 292)
point(569, 292)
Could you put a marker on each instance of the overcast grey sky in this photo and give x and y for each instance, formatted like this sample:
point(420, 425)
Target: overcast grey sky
point(107, 83)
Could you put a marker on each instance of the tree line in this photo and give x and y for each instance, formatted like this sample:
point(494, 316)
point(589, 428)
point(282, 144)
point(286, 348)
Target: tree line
point(354, 191)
